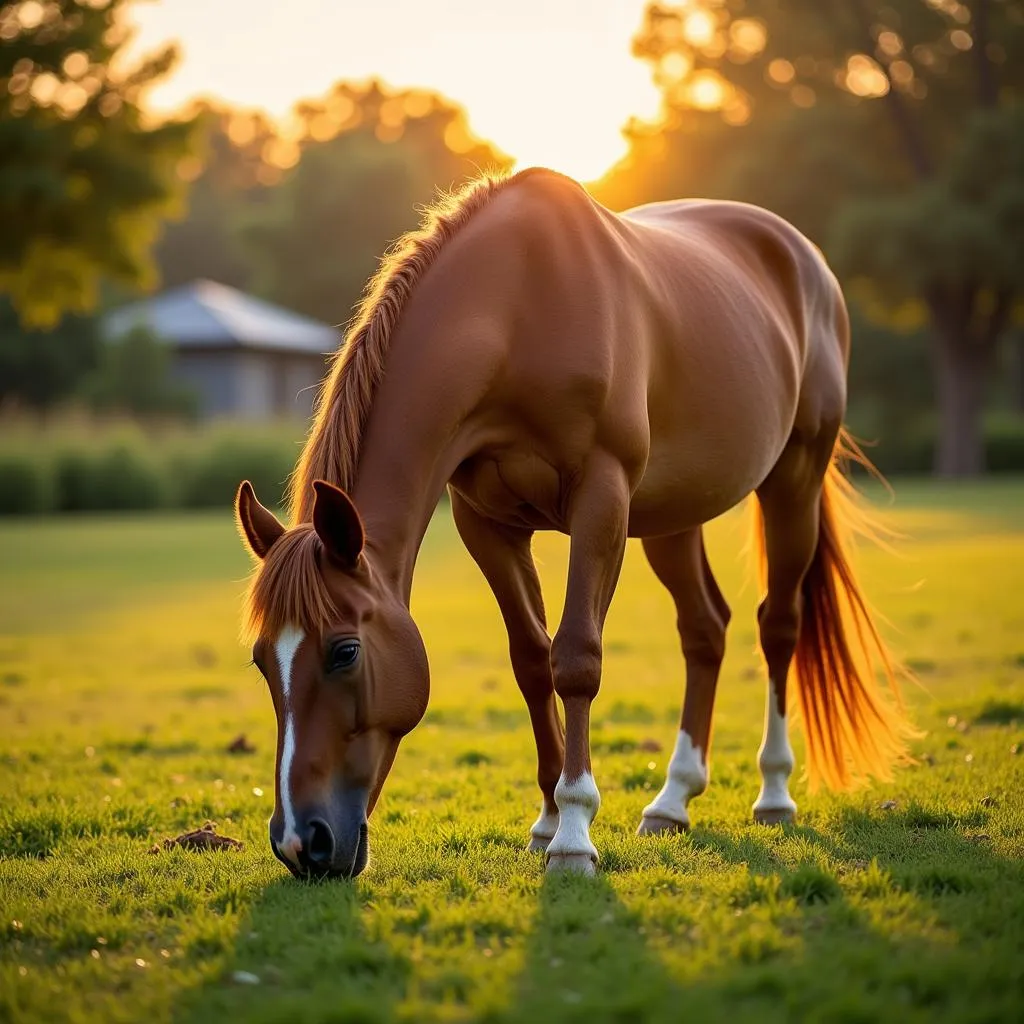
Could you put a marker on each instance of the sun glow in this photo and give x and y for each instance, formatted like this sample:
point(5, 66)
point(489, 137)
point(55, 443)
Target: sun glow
point(551, 82)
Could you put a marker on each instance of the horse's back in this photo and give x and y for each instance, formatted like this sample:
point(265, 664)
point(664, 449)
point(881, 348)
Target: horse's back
point(678, 337)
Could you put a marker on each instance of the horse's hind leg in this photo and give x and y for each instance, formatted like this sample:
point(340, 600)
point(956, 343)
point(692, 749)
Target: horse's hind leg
point(790, 501)
point(702, 615)
point(503, 555)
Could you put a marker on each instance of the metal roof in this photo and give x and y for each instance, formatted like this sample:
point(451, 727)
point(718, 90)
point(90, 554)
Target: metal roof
point(204, 314)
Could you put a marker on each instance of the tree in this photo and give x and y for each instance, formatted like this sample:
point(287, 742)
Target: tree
point(891, 132)
point(84, 182)
point(42, 368)
point(231, 176)
point(957, 241)
point(134, 376)
point(367, 159)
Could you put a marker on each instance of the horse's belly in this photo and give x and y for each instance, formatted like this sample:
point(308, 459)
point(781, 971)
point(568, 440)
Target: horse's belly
point(720, 412)
point(689, 483)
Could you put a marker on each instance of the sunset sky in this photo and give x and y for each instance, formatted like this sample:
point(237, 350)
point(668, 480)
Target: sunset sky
point(550, 81)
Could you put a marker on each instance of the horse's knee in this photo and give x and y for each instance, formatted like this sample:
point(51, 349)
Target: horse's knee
point(576, 662)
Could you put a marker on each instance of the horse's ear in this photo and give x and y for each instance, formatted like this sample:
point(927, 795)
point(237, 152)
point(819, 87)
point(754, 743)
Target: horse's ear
point(259, 525)
point(337, 524)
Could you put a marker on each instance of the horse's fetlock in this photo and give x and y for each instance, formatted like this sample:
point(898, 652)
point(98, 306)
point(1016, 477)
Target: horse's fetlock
point(775, 762)
point(581, 792)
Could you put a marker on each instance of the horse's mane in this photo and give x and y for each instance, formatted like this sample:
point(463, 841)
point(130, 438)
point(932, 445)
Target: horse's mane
point(288, 588)
point(343, 406)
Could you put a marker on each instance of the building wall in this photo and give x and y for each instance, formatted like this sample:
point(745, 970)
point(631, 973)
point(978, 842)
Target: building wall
point(251, 384)
point(211, 375)
point(254, 385)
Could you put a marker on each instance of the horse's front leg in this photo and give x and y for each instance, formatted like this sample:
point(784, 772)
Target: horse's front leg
point(597, 530)
point(503, 555)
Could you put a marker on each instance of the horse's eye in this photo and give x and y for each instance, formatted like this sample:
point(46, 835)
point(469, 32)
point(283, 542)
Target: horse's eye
point(342, 655)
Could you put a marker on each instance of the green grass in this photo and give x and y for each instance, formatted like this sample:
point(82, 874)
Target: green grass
point(122, 682)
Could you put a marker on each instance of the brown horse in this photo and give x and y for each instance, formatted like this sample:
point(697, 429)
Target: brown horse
point(561, 367)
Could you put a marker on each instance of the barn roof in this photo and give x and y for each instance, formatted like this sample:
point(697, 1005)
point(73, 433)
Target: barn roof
point(204, 314)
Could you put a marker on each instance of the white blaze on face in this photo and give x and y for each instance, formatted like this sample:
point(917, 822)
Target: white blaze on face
point(686, 778)
point(577, 802)
point(285, 647)
point(775, 760)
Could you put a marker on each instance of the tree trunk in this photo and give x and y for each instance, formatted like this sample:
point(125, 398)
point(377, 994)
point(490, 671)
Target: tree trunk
point(1017, 369)
point(961, 373)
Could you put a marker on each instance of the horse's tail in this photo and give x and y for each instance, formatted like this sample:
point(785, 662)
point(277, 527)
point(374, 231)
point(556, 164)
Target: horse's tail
point(842, 668)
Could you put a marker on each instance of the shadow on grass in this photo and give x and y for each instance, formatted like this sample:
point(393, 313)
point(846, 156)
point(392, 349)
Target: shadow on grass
point(897, 918)
point(587, 960)
point(313, 960)
point(900, 917)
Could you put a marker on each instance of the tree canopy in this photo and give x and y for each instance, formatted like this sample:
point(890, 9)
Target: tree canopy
point(302, 215)
point(891, 132)
point(85, 182)
point(368, 159)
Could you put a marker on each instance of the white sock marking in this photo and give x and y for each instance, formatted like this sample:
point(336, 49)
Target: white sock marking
point(546, 824)
point(577, 803)
point(775, 760)
point(285, 647)
point(687, 777)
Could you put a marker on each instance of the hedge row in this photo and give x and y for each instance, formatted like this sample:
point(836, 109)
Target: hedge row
point(128, 469)
point(90, 470)
point(912, 453)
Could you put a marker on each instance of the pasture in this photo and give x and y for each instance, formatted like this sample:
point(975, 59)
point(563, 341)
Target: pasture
point(122, 684)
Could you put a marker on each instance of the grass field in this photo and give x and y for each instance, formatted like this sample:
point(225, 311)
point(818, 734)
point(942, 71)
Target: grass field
point(122, 682)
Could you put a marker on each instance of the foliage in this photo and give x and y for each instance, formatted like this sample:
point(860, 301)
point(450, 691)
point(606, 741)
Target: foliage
point(134, 377)
point(888, 385)
point(966, 223)
point(301, 216)
point(123, 475)
point(76, 465)
point(42, 368)
point(84, 183)
point(122, 684)
point(231, 176)
point(208, 468)
point(368, 159)
point(25, 483)
point(890, 132)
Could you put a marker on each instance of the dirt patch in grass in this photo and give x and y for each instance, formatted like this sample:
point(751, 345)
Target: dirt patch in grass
point(200, 840)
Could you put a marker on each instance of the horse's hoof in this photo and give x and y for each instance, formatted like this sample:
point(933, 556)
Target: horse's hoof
point(577, 863)
point(539, 844)
point(774, 815)
point(653, 824)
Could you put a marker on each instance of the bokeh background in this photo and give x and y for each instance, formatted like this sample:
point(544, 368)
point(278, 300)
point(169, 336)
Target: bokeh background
point(192, 196)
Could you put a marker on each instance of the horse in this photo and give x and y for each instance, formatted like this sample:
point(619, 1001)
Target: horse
point(558, 366)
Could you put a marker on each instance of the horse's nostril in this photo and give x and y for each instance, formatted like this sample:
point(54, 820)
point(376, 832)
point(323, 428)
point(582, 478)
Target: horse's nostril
point(320, 843)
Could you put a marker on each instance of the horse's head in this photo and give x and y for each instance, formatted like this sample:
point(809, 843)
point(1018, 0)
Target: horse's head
point(346, 670)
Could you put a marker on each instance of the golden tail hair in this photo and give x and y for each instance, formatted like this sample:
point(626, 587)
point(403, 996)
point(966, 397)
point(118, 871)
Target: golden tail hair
point(853, 727)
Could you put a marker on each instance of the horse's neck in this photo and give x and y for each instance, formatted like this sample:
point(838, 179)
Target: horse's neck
point(404, 467)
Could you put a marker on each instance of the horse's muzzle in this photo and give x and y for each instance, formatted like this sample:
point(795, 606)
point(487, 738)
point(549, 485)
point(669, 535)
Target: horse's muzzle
point(335, 840)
